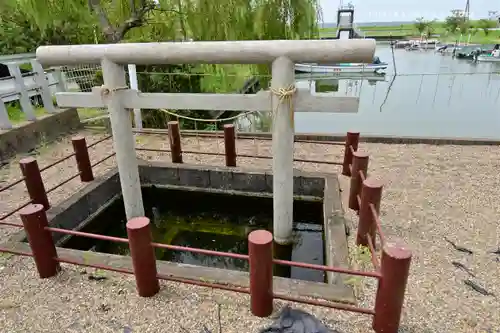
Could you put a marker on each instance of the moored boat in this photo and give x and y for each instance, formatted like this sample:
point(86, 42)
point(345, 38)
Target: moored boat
point(427, 44)
point(340, 68)
point(376, 66)
point(401, 44)
point(413, 47)
point(487, 58)
point(471, 51)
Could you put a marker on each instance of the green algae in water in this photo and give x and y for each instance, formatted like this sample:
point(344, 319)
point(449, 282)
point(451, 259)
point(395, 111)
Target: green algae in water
point(218, 222)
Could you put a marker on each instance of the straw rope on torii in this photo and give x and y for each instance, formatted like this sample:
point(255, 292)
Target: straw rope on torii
point(285, 95)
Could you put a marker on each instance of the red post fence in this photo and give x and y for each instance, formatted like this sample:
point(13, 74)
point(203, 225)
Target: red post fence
point(34, 182)
point(351, 145)
point(260, 251)
point(32, 176)
point(389, 300)
point(371, 194)
point(82, 158)
point(359, 173)
point(230, 145)
point(364, 196)
point(174, 136)
point(40, 240)
point(143, 256)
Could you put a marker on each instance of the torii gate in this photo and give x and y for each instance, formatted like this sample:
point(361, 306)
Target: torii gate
point(282, 99)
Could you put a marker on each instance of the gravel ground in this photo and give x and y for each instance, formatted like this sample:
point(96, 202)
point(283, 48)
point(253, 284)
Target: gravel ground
point(432, 192)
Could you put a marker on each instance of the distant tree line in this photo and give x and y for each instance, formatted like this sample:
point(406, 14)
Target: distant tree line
point(455, 22)
point(27, 24)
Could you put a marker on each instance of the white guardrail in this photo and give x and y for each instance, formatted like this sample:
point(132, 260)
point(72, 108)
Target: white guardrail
point(23, 87)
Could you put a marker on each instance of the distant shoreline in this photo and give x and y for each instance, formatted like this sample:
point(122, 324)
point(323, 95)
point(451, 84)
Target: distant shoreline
point(406, 30)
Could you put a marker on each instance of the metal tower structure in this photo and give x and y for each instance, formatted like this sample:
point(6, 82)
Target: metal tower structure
point(467, 10)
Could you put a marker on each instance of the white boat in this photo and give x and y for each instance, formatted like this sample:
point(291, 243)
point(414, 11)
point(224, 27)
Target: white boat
point(341, 68)
point(413, 47)
point(487, 58)
point(401, 44)
point(428, 44)
point(413, 44)
point(341, 76)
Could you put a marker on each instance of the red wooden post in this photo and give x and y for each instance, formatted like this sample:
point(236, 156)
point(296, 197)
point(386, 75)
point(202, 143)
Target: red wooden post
point(174, 136)
point(260, 250)
point(34, 182)
point(359, 164)
point(395, 268)
point(352, 139)
point(371, 193)
point(230, 145)
point(143, 256)
point(82, 158)
point(40, 240)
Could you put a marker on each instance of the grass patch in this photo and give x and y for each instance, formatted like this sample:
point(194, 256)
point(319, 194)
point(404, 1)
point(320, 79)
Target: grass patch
point(361, 259)
point(16, 115)
point(87, 113)
point(478, 37)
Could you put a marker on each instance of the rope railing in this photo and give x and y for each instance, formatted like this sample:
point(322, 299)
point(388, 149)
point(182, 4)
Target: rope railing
point(200, 251)
point(241, 136)
point(378, 223)
point(8, 186)
point(326, 268)
point(102, 160)
point(99, 141)
point(14, 183)
point(33, 179)
point(12, 212)
point(215, 253)
point(53, 164)
point(373, 257)
point(67, 180)
point(197, 152)
point(60, 160)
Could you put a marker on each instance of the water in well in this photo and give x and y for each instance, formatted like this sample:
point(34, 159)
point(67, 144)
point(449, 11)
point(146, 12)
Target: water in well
point(219, 222)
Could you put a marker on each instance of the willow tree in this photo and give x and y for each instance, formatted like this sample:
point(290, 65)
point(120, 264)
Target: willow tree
point(167, 20)
point(174, 19)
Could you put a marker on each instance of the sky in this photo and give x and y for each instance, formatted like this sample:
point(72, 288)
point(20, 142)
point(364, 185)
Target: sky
point(406, 10)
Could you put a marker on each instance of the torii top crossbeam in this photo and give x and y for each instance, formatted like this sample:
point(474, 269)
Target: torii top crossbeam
point(217, 52)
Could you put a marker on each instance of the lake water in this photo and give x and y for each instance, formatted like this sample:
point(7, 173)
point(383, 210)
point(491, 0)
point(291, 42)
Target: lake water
point(431, 96)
